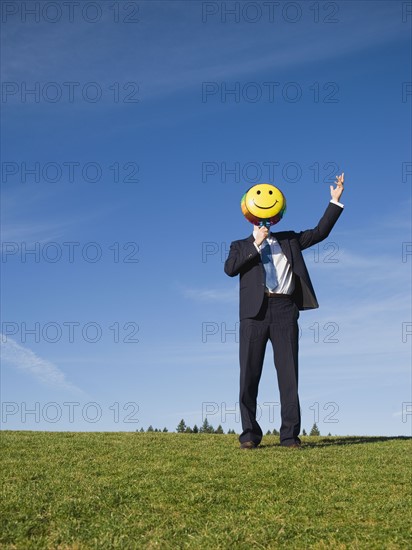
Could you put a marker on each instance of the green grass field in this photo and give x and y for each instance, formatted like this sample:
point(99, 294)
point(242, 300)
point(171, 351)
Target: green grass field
point(167, 490)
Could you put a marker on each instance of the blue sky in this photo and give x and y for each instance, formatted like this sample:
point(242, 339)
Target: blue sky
point(124, 169)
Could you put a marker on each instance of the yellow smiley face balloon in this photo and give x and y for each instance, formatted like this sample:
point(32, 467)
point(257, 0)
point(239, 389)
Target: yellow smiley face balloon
point(263, 203)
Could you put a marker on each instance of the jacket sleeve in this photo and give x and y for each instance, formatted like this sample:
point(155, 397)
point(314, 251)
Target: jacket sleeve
point(240, 255)
point(321, 231)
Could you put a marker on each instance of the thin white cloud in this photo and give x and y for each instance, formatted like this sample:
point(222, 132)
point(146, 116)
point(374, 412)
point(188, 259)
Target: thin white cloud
point(32, 232)
point(23, 220)
point(210, 295)
point(28, 361)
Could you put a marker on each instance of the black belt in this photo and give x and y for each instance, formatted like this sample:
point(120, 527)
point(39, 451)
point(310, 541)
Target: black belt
point(276, 295)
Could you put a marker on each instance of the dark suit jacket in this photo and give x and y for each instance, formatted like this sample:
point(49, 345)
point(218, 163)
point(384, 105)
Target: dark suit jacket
point(244, 260)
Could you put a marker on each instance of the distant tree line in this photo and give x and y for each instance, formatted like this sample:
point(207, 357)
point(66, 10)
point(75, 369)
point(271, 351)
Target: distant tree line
point(182, 427)
point(151, 429)
point(207, 428)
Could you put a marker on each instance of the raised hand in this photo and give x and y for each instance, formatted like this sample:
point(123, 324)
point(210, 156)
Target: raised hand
point(337, 191)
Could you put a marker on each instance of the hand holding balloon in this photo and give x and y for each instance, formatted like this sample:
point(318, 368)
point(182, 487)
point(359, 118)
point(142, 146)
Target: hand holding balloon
point(262, 234)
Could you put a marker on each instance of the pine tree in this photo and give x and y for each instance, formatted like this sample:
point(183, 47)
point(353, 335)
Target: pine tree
point(188, 430)
point(165, 430)
point(195, 429)
point(206, 428)
point(275, 432)
point(314, 430)
point(219, 430)
point(304, 432)
point(150, 428)
point(181, 427)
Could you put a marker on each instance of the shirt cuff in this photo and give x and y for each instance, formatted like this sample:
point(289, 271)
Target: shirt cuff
point(337, 203)
point(257, 247)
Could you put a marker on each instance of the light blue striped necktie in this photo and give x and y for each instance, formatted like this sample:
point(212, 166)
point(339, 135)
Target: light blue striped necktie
point(271, 279)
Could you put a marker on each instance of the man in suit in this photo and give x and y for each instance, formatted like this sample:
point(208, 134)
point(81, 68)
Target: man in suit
point(272, 315)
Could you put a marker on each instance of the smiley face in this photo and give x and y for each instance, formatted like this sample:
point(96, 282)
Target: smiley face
point(263, 202)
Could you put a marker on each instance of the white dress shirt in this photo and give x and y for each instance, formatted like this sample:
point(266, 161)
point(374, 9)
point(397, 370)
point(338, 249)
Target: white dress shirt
point(283, 269)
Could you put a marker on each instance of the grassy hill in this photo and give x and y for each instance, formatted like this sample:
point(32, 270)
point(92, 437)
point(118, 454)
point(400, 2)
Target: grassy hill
point(173, 491)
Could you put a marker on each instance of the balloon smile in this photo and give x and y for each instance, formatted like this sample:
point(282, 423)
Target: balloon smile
point(263, 203)
point(266, 207)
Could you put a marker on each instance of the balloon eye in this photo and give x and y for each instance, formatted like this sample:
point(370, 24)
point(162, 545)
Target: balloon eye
point(258, 192)
point(270, 192)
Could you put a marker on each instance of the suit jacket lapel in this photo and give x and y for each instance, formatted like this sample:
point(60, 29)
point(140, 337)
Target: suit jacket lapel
point(251, 239)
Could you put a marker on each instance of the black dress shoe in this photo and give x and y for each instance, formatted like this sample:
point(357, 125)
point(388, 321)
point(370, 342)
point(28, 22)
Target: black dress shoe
point(295, 445)
point(248, 445)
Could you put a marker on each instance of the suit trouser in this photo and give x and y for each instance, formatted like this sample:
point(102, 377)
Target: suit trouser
point(277, 322)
